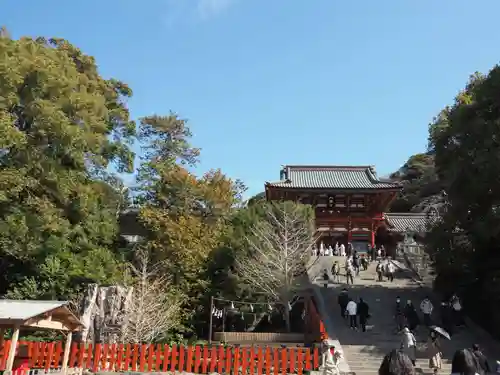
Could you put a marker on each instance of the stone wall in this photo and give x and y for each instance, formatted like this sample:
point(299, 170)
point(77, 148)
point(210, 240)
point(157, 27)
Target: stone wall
point(415, 258)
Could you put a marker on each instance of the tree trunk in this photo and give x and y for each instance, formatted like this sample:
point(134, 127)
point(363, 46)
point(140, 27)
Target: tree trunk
point(256, 322)
point(86, 311)
point(286, 316)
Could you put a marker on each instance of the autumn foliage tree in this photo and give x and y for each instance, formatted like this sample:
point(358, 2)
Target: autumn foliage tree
point(187, 216)
point(65, 136)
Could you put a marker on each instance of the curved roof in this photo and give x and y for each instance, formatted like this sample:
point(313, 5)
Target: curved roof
point(35, 314)
point(331, 177)
point(407, 221)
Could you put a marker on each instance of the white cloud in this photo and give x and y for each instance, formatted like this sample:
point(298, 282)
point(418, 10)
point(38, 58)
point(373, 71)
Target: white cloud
point(195, 10)
point(211, 8)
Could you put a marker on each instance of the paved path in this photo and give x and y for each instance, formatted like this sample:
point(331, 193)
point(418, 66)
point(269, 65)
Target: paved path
point(364, 351)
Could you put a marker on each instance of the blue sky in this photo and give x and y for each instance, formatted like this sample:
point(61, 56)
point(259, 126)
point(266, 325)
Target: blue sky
point(274, 82)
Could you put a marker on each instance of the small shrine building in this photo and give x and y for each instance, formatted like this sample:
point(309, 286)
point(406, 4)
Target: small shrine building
point(350, 204)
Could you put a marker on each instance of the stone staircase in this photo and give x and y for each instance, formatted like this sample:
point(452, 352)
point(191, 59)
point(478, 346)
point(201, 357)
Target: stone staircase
point(364, 351)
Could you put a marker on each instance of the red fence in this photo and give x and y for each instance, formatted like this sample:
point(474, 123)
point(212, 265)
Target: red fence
point(151, 358)
point(317, 327)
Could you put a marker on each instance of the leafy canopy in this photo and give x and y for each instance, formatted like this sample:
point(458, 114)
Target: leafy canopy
point(465, 140)
point(187, 217)
point(61, 126)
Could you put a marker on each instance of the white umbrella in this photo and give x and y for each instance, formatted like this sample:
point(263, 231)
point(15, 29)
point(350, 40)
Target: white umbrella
point(441, 331)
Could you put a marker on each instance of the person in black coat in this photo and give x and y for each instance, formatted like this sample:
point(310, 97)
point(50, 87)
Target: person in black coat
point(343, 300)
point(364, 263)
point(326, 278)
point(481, 359)
point(447, 317)
point(399, 315)
point(363, 313)
point(465, 362)
point(411, 316)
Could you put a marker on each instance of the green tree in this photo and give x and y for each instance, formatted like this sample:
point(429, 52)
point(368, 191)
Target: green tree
point(257, 199)
point(61, 126)
point(187, 217)
point(419, 181)
point(465, 139)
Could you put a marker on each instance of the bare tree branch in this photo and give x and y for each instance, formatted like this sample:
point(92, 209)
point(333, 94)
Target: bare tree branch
point(279, 248)
point(155, 306)
point(75, 304)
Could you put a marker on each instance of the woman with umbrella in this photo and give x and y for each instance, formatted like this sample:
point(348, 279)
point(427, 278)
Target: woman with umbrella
point(434, 348)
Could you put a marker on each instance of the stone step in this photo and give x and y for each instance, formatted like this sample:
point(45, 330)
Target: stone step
point(366, 355)
point(420, 371)
point(364, 351)
point(376, 362)
point(421, 362)
point(421, 367)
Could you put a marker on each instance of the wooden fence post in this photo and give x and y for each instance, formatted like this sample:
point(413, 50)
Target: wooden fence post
point(67, 348)
point(12, 349)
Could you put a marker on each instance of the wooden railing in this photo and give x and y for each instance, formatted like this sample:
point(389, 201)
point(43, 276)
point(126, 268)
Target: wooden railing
point(162, 358)
point(317, 327)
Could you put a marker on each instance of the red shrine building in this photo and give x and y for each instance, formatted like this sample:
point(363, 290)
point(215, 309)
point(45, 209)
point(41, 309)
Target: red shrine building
point(350, 203)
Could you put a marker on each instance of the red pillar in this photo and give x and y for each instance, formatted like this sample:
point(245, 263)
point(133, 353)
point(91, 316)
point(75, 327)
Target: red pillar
point(374, 231)
point(349, 234)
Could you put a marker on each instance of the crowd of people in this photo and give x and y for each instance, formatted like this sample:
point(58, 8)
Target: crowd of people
point(353, 311)
point(408, 318)
point(403, 360)
point(467, 361)
point(354, 264)
point(346, 251)
point(337, 250)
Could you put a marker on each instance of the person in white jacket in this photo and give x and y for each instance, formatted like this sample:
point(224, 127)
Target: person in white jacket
point(342, 250)
point(390, 271)
point(409, 345)
point(352, 312)
point(426, 307)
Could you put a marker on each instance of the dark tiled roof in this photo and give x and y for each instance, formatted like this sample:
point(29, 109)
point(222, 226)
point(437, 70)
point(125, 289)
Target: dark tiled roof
point(331, 177)
point(401, 222)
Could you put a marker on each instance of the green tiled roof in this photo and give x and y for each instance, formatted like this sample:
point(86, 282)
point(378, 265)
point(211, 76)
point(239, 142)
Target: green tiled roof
point(331, 177)
point(402, 222)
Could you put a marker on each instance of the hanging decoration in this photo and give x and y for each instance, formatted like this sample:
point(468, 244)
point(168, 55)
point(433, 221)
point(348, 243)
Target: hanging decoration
point(243, 308)
point(217, 313)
